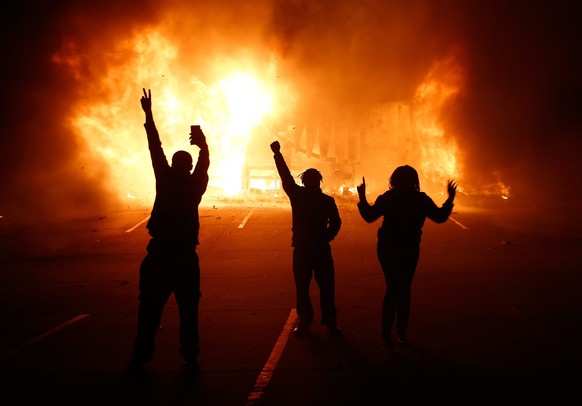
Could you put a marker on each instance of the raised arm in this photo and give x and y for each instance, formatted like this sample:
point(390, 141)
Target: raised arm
point(441, 214)
point(159, 161)
point(146, 105)
point(286, 178)
point(452, 191)
point(201, 170)
point(368, 213)
point(362, 191)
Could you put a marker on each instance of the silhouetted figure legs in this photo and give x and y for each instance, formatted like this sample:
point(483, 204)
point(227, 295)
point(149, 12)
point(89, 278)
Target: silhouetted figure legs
point(308, 263)
point(188, 309)
point(161, 274)
point(398, 268)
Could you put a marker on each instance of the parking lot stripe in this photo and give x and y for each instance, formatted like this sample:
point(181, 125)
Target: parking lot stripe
point(271, 364)
point(242, 224)
point(45, 335)
point(464, 227)
point(137, 225)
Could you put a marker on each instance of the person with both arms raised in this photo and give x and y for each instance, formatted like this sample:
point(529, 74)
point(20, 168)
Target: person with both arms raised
point(404, 209)
point(171, 264)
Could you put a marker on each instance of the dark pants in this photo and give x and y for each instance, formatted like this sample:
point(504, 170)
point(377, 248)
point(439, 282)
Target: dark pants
point(398, 265)
point(308, 262)
point(163, 272)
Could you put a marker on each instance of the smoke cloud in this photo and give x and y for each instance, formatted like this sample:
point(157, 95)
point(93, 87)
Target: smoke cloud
point(517, 117)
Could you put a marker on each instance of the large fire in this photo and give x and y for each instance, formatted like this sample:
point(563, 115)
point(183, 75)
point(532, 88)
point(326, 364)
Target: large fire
point(241, 99)
point(227, 110)
point(438, 153)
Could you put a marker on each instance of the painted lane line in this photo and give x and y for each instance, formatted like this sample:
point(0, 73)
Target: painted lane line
point(271, 364)
point(45, 335)
point(464, 227)
point(241, 225)
point(137, 225)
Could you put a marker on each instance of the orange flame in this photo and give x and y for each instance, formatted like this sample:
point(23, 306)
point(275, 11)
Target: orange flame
point(439, 154)
point(227, 111)
point(415, 132)
point(232, 107)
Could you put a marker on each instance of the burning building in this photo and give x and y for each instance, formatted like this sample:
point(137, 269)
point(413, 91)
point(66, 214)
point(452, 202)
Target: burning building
point(353, 89)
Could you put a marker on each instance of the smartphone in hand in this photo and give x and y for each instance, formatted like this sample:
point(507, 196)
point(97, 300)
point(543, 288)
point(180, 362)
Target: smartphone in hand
point(196, 135)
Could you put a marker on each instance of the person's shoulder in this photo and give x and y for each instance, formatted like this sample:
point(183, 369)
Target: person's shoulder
point(424, 197)
point(327, 197)
point(385, 196)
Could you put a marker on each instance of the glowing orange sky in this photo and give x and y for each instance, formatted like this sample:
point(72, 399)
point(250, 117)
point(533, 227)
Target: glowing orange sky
point(366, 85)
point(237, 105)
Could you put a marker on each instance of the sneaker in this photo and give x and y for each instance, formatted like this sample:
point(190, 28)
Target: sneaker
point(334, 330)
point(135, 367)
point(191, 366)
point(403, 339)
point(301, 329)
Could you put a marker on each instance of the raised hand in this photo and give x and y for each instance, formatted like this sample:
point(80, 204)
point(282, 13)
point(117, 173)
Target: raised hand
point(146, 101)
point(197, 136)
point(275, 147)
point(451, 189)
point(362, 189)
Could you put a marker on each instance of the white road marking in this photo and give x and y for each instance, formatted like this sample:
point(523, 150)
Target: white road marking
point(45, 335)
point(464, 227)
point(269, 368)
point(137, 225)
point(241, 225)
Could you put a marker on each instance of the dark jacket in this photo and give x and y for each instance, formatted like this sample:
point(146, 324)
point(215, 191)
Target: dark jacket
point(174, 216)
point(315, 217)
point(404, 214)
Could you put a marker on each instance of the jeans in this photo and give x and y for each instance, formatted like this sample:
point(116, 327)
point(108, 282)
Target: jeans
point(163, 272)
point(311, 262)
point(398, 265)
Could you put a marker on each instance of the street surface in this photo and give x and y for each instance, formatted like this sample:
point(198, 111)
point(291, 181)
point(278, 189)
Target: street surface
point(496, 312)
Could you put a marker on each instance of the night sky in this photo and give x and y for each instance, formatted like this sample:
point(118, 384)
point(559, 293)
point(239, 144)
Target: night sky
point(519, 114)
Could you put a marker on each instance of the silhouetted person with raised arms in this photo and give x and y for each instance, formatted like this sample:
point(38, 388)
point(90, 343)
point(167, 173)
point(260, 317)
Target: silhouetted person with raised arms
point(171, 264)
point(315, 223)
point(404, 208)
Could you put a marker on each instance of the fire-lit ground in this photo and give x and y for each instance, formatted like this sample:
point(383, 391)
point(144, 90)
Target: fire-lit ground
point(496, 312)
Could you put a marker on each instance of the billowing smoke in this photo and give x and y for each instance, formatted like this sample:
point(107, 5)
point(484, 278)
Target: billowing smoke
point(521, 117)
point(515, 119)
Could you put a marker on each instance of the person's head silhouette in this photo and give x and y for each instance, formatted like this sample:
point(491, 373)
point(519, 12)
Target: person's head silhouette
point(405, 178)
point(182, 162)
point(311, 178)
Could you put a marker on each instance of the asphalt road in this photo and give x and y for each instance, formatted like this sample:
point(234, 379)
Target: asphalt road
point(496, 314)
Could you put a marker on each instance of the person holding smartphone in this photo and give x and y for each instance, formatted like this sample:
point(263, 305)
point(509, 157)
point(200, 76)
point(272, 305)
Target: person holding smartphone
point(171, 264)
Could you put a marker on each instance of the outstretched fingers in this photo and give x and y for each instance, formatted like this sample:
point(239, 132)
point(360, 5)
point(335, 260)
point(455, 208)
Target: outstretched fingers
point(452, 185)
point(362, 189)
point(363, 184)
point(146, 101)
